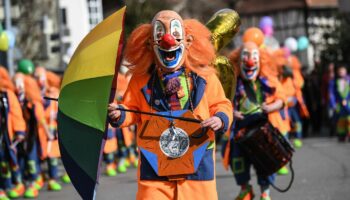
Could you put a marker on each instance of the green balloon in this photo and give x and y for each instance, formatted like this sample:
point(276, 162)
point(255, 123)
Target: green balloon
point(26, 66)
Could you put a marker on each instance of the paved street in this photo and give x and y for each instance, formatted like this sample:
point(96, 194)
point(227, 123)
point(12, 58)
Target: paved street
point(322, 169)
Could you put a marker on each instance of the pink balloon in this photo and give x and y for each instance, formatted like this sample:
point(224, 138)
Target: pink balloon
point(267, 30)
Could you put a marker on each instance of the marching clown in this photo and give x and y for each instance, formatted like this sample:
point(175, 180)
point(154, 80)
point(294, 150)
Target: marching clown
point(50, 108)
point(171, 64)
point(296, 109)
point(37, 130)
point(257, 92)
point(12, 133)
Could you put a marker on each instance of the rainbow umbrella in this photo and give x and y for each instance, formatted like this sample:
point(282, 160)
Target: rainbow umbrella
point(85, 94)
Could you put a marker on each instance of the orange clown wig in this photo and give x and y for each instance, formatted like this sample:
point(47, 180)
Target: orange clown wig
point(199, 57)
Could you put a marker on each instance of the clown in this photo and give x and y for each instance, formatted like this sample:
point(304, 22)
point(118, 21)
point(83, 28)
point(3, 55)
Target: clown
point(38, 134)
point(257, 93)
point(119, 141)
point(297, 109)
point(51, 109)
point(171, 64)
point(12, 132)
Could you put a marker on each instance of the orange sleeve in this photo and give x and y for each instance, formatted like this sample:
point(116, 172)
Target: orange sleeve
point(39, 112)
point(279, 92)
point(289, 87)
point(219, 105)
point(298, 78)
point(17, 121)
point(131, 100)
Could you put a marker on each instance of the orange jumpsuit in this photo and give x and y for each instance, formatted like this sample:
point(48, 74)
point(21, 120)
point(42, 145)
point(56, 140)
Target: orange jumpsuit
point(51, 119)
point(298, 81)
point(209, 100)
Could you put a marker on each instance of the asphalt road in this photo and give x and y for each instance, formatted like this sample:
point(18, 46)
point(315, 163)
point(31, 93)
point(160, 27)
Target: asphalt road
point(322, 170)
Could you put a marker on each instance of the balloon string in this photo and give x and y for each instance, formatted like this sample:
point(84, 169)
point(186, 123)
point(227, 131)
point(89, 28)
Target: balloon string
point(145, 113)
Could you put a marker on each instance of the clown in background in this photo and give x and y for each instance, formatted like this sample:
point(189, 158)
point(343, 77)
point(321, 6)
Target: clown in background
point(109, 152)
point(49, 85)
point(120, 141)
point(171, 64)
point(257, 92)
point(38, 134)
point(339, 100)
point(297, 108)
point(125, 136)
point(12, 132)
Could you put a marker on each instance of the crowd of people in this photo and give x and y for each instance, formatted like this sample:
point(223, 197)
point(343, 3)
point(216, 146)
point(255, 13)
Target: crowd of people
point(173, 73)
point(29, 151)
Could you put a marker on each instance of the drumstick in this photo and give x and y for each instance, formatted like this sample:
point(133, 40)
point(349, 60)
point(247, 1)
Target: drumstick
point(251, 111)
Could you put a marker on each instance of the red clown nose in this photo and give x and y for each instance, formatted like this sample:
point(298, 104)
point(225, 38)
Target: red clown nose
point(249, 63)
point(168, 41)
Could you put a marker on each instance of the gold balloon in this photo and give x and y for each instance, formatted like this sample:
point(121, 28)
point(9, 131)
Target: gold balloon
point(227, 76)
point(223, 25)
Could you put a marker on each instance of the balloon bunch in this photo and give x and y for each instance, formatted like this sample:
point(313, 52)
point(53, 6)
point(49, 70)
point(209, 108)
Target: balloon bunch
point(299, 44)
point(7, 39)
point(266, 25)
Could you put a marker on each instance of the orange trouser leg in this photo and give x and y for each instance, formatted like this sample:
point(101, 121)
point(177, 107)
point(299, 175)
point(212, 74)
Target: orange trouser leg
point(177, 190)
point(160, 190)
point(196, 190)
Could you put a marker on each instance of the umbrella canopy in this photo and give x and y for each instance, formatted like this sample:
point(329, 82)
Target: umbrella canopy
point(85, 94)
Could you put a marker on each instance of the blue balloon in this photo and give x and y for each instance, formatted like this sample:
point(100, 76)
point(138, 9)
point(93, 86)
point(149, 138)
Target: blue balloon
point(12, 38)
point(266, 21)
point(303, 43)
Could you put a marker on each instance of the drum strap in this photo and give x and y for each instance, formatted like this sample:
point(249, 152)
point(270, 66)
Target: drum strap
point(290, 182)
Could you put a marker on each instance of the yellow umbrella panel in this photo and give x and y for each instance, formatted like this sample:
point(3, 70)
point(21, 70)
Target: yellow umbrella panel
point(83, 101)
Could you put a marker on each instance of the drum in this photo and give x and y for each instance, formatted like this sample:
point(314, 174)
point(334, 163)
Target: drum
point(264, 145)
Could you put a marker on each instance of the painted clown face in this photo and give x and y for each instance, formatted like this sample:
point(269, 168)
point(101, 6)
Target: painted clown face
point(169, 43)
point(250, 61)
point(40, 76)
point(20, 87)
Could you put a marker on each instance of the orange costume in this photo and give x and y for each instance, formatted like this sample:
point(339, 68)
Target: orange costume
point(171, 64)
point(51, 109)
point(298, 81)
point(12, 131)
point(111, 142)
point(258, 94)
point(49, 84)
point(29, 96)
point(16, 123)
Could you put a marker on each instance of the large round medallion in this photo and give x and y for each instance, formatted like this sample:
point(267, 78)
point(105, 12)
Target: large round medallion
point(174, 142)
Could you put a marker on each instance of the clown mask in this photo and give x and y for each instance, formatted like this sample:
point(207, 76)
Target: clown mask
point(250, 61)
point(20, 88)
point(40, 76)
point(169, 40)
